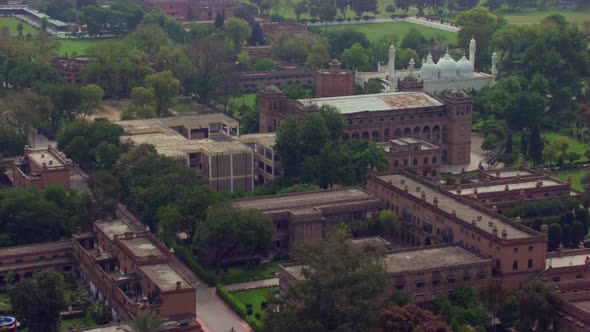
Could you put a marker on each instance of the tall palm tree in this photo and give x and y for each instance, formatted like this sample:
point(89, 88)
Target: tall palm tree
point(145, 321)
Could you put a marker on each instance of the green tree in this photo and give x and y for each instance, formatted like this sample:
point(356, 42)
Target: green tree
point(263, 64)
point(508, 313)
point(536, 146)
point(409, 318)
point(292, 48)
point(145, 321)
point(39, 300)
point(165, 87)
point(490, 142)
point(219, 20)
point(478, 23)
point(327, 12)
point(538, 305)
point(414, 40)
point(373, 86)
point(573, 156)
point(492, 296)
point(555, 236)
point(19, 28)
point(363, 6)
point(142, 105)
point(91, 96)
point(237, 32)
point(401, 298)
point(104, 188)
point(339, 289)
point(319, 54)
point(288, 147)
point(356, 57)
point(297, 91)
point(169, 218)
point(21, 112)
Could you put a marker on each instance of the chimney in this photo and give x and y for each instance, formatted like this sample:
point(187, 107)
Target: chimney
point(498, 174)
point(458, 190)
point(506, 188)
point(50, 162)
point(539, 184)
point(475, 191)
point(406, 189)
point(490, 224)
point(495, 231)
point(27, 150)
point(49, 147)
point(560, 249)
point(504, 234)
point(569, 179)
point(488, 179)
point(545, 231)
point(402, 181)
point(178, 285)
point(478, 218)
point(390, 181)
point(435, 201)
point(473, 222)
point(418, 188)
point(43, 155)
point(78, 230)
point(454, 213)
point(423, 196)
point(517, 177)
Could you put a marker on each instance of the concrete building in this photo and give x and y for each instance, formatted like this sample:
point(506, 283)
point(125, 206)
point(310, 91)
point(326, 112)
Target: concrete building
point(195, 10)
point(431, 215)
point(508, 187)
point(444, 75)
point(425, 274)
point(421, 156)
point(307, 216)
point(211, 145)
point(334, 81)
point(381, 117)
point(39, 168)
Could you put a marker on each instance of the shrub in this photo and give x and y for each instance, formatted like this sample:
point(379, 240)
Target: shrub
point(185, 255)
point(340, 19)
point(249, 311)
point(231, 301)
point(348, 19)
point(248, 306)
point(257, 315)
point(263, 305)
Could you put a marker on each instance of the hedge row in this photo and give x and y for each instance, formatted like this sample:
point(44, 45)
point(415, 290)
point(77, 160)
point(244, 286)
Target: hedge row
point(186, 256)
point(238, 307)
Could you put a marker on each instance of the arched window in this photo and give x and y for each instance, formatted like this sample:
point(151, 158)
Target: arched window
point(365, 135)
point(425, 161)
point(434, 160)
point(397, 133)
point(355, 135)
point(405, 162)
point(407, 132)
point(433, 172)
point(415, 161)
point(386, 134)
point(395, 163)
point(345, 137)
point(436, 134)
point(417, 132)
point(375, 135)
point(426, 133)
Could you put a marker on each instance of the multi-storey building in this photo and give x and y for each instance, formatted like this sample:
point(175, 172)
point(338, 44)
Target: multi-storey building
point(39, 168)
point(432, 215)
point(253, 81)
point(306, 216)
point(195, 10)
point(421, 156)
point(424, 273)
point(381, 117)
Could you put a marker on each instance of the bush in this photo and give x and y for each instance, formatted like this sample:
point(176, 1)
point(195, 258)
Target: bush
point(263, 305)
point(249, 311)
point(185, 255)
point(257, 315)
point(348, 19)
point(340, 19)
point(231, 301)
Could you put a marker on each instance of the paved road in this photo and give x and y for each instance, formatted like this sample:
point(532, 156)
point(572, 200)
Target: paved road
point(253, 285)
point(213, 314)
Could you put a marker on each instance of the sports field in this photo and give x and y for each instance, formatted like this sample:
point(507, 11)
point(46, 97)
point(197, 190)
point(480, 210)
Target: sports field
point(532, 16)
point(12, 23)
point(374, 31)
point(77, 46)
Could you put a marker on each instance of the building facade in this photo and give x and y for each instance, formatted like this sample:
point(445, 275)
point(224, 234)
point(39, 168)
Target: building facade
point(334, 81)
point(309, 216)
point(195, 10)
point(382, 117)
point(254, 81)
point(71, 68)
point(425, 274)
point(431, 215)
point(421, 156)
point(40, 168)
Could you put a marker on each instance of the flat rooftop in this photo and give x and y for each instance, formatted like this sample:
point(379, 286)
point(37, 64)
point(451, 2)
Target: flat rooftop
point(113, 227)
point(189, 121)
point(430, 258)
point(172, 145)
point(509, 173)
point(463, 210)
point(568, 258)
point(164, 276)
point(584, 305)
point(47, 157)
point(35, 248)
point(410, 141)
point(492, 188)
point(142, 246)
point(267, 139)
point(306, 201)
point(371, 241)
point(378, 102)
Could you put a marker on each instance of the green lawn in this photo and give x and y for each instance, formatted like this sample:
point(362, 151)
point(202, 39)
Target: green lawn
point(248, 99)
point(239, 274)
point(76, 323)
point(576, 175)
point(77, 46)
point(5, 302)
point(375, 31)
point(574, 145)
point(531, 16)
point(255, 297)
point(12, 23)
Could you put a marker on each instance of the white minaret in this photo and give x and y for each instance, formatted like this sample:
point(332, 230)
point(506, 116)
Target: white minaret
point(494, 62)
point(412, 65)
point(391, 66)
point(472, 52)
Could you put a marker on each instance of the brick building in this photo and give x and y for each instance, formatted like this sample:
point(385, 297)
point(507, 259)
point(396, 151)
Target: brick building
point(334, 81)
point(507, 187)
point(39, 168)
point(71, 68)
point(381, 117)
point(306, 216)
point(425, 274)
point(431, 215)
point(421, 156)
point(253, 81)
point(195, 10)
point(211, 145)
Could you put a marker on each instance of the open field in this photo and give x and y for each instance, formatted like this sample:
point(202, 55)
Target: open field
point(76, 323)
point(573, 145)
point(531, 16)
point(242, 273)
point(255, 297)
point(576, 175)
point(12, 23)
point(77, 46)
point(375, 31)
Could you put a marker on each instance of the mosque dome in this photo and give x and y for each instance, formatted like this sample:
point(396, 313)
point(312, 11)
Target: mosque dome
point(464, 67)
point(447, 67)
point(272, 89)
point(429, 70)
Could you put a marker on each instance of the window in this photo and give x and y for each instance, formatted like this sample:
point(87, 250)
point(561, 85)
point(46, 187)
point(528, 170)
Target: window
point(420, 284)
point(516, 251)
point(531, 248)
point(556, 279)
point(467, 277)
point(530, 263)
point(399, 287)
point(515, 265)
point(579, 276)
point(451, 280)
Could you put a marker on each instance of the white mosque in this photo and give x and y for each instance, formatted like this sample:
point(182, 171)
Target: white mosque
point(446, 74)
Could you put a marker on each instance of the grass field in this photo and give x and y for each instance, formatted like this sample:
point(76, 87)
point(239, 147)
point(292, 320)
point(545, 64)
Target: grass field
point(573, 145)
point(239, 274)
point(76, 323)
point(531, 16)
point(576, 175)
point(77, 46)
point(5, 302)
point(12, 23)
point(374, 31)
point(255, 297)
